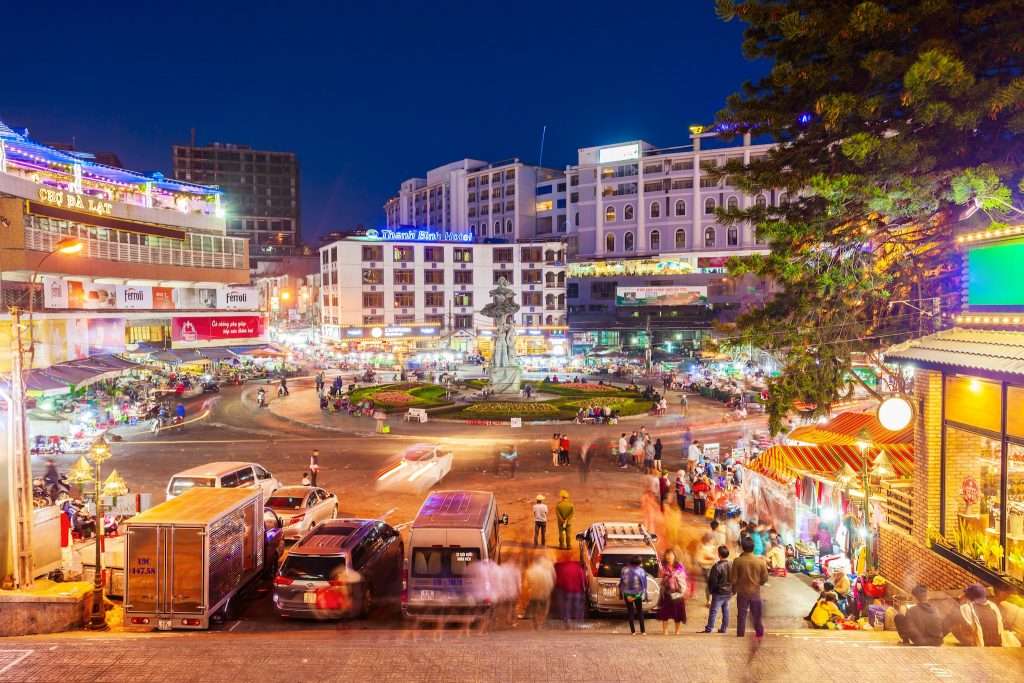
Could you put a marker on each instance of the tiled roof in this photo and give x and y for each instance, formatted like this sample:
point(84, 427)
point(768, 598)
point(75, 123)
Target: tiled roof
point(991, 350)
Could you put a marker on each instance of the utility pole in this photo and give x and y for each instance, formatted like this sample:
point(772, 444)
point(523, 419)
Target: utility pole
point(19, 470)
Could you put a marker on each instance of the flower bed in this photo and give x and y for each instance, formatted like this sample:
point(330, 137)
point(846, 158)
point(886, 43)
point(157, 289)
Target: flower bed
point(393, 398)
point(587, 387)
point(510, 408)
point(402, 396)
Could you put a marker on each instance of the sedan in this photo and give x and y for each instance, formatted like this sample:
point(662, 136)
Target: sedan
point(421, 466)
point(302, 507)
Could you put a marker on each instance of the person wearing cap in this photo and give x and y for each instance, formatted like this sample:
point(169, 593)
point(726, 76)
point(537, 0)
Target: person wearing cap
point(978, 622)
point(921, 624)
point(564, 512)
point(540, 520)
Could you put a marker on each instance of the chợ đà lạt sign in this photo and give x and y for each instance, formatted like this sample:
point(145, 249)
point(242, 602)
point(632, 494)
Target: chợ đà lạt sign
point(74, 202)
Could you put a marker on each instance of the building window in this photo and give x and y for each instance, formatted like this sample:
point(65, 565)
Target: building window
point(405, 319)
point(532, 298)
point(464, 299)
point(655, 209)
point(531, 277)
point(531, 254)
point(463, 277)
point(680, 238)
point(405, 300)
point(680, 207)
point(709, 205)
point(609, 244)
point(463, 322)
point(463, 255)
point(733, 204)
point(709, 237)
point(405, 277)
point(373, 299)
point(507, 274)
point(373, 276)
point(402, 254)
point(433, 277)
point(373, 320)
point(375, 253)
point(433, 299)
point(508, 227)
point(503, 255)
point(627, 212)
point(732, 236)
point(602, 290)
point(576, 219)
point(761, 202)
point(573, 290)
point(544, 205)
point(655, 240)
point(433, 254)
point(609, 214)
point(627, 242)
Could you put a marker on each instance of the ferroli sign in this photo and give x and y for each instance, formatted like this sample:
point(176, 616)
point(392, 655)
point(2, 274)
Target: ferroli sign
point(238, 299)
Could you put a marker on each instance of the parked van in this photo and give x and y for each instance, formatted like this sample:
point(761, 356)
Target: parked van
point(223, 475)
point(452, 530)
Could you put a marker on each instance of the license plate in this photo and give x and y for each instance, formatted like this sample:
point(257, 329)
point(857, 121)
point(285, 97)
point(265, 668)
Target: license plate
point(163, 624)
point(610, 593)
point(309, 597)
point(427, 595)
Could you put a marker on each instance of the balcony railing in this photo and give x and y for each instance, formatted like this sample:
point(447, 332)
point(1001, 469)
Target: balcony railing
point(40, 240)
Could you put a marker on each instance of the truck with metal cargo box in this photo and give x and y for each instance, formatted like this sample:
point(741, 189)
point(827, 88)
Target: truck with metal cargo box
point(187, 559)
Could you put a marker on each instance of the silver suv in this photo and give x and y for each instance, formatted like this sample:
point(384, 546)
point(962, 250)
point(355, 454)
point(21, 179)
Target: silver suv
point(605, 549)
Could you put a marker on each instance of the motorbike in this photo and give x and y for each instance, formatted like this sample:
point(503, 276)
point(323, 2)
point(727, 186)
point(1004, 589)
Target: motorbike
point(261, 398)
point(210, 387)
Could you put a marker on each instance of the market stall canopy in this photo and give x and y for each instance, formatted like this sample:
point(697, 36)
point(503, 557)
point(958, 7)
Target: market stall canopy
point(786, 463)
point(848, 429)
point(991, 350)
point(75, 373)
point(175, 356)
point(259, 351)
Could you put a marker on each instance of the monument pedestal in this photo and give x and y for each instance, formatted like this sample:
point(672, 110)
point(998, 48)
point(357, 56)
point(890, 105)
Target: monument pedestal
point(505, 380)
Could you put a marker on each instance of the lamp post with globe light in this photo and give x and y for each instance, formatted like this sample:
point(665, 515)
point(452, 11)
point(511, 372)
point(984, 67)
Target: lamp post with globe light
point(87, 470)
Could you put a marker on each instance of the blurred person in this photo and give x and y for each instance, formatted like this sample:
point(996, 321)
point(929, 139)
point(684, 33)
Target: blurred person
point(623, 451)
point(306, 481)
point(718, 536)
point(720, 590)
point(509, 580)
point(681, 485)
point(705, 558)
point(540, 582)
point(540, 520)
point(314, 466)
point(563, 450)
point(564, 513)
point(658, 451)
point(664, 486)
point(921, 623)
point(570, 587)
point(747, 574)
point(672, 599)
point(484, 580)
point(556, 441)
point(633, 590)
point(776, 559)
point(978, 622)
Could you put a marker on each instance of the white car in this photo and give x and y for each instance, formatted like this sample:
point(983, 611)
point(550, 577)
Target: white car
point(301, 508)
point(422, 466)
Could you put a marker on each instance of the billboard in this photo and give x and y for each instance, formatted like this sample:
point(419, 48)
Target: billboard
point(215, 328)
point(993, 279)
point(55, 292)
point(660, 296)
point(238, 298)
point(129, 297)
point(611, 155)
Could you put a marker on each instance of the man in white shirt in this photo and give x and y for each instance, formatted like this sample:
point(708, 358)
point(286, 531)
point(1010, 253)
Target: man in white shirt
point(623, 451)
point(540, 521)
point(693, 456)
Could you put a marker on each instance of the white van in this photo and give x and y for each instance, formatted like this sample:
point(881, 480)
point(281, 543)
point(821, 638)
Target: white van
point(452, 530)
point(223, 475)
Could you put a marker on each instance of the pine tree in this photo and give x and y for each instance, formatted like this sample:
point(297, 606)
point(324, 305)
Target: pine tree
point(895, 122)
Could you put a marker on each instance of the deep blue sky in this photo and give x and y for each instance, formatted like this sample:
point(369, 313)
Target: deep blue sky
point(367, 93)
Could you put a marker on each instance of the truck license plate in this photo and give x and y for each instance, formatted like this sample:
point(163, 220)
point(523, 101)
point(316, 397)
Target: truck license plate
point(426, 595)
point(309, 597)
point(163, 624)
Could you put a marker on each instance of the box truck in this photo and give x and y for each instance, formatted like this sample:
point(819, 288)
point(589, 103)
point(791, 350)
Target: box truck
point(188, 558)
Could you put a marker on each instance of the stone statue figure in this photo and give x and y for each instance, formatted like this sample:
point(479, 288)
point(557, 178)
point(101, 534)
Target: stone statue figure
point(504, 372)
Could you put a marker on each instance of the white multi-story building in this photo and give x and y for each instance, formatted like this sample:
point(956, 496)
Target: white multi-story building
point(411, 284)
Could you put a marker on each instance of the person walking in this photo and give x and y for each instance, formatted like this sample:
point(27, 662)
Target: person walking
point(571, 586)
point(585, 462)
point(540, 581)
point(283, 389)
point(564, 511)
point(672, 599)
point(556, 443)
point(687, 441)
point(747, 574)
point(563, 450)
point(681, 490)
point(314, 466)
point(685, 404)
point(664, 486)
point(633, 590)
point(623, 451)
point(658, 448)
point(540, 520)
point(720, 590)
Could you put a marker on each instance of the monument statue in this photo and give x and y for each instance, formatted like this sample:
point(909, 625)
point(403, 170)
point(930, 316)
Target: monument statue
point(504, 372)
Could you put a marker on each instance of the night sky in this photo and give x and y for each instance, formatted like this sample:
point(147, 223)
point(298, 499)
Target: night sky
point(369, 93)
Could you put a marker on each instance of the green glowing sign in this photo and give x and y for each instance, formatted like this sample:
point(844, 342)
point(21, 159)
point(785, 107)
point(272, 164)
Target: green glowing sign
point(994, 275)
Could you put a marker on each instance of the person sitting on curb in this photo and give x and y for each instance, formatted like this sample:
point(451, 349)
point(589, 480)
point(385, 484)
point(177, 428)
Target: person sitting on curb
point(921, 623)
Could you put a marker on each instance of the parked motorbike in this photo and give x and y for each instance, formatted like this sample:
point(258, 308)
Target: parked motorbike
point(210, 387)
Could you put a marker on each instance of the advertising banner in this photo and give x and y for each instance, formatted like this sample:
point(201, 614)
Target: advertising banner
point(106, 335)
point(215, 328)
point(238, 298)
point(55, 292)
point(99, 297)
point(163, 298)
point(130, 297)
point(659, 296)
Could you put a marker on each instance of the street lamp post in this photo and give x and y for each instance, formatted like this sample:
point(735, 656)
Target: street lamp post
point(84, 472)
point(20, 472)
point(881, 467)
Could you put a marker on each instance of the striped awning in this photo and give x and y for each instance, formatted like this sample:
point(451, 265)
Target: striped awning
point(786, 463)
point(846, 428)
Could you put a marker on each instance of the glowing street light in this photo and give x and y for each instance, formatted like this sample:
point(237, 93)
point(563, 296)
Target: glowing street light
point(84, 472)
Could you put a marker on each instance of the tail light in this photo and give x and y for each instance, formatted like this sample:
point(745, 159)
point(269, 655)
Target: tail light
point(595, 566)
point(140, 620)
point(337, 582)
point(191, 622)
point(283, 581)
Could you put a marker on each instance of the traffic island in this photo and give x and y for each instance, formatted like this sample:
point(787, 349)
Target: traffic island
point(47, 607)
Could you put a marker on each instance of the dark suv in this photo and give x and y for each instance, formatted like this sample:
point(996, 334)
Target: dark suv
point(339, 568)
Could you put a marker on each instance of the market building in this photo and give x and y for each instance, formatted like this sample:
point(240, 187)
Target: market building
point(968, 393)
point(413, 289)
point(152, 263)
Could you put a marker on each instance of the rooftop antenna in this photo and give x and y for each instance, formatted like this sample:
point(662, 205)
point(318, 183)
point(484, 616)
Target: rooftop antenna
point(543, 133)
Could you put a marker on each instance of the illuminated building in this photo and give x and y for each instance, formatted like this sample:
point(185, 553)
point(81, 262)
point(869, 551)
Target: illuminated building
point(155, 264)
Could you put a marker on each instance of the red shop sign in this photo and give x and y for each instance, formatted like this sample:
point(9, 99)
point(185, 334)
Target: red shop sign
point(191, 329)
